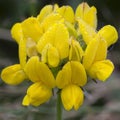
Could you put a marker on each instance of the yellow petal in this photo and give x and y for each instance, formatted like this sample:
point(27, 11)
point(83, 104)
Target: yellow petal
point(87, 32)
point(64, 76)
point(109, 33)
point(78, 76)
point(86, 13)
point(57, 36)
point(48, 9)
point(26, 101)
point(32, 29)
point(90, 53)
point(37, 94)
point(81, 10)
point(13, 75)
point(22, 52)
point(53, 56)
point(50, 55)
point(38, 71)
point(76, 51)
point(44, 54)
point(16, 32)
point(101, 52)
point(67, 13)
point(50, 20)
point(31, 47)
point(91, 18)
point(72, 96)
point(72, 73)
point(101, 70)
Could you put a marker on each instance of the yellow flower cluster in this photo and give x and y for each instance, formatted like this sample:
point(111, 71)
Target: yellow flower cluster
point(58, 49)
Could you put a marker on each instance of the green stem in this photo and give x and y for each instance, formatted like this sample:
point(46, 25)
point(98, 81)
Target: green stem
point(59, 106)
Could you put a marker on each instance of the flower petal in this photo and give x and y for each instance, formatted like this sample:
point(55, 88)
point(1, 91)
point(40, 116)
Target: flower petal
point(31, 47)
point(50, 55)
point(81, 10)
point(32, 29)
point(38, 71)
point(91, 18)
point(57, 36)
point(50, 20)
point(45, 11)
point(90, 53)
point(86, 13)
point(53, 56)
point(101, 52)
point(76, 52)
point(67, 13)
point(72, 73)
point(109, 33)
point(16, 32)
point(37, 94)
point(87, 32)
point(72, 96)
point(26, 101)
point(13, 75)
point(22, 52)
point(64, 76)
point(79, 76)
point(101, 70)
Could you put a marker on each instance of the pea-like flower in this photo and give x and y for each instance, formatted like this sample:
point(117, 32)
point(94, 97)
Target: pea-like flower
point(69, 79)
point(95, 62)
point(43, 82)
point(13, 74)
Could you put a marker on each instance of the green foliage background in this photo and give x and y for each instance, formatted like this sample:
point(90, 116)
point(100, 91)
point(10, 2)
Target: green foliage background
point(102, 99)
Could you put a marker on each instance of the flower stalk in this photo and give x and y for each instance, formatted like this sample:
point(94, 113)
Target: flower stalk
point(59, 106)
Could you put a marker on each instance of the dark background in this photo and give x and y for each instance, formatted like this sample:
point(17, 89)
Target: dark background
point(102, 99)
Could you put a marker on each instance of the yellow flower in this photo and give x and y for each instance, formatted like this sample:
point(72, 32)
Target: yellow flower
point(13, 75)
point(41, 90)
point(94, 60)
point(87, 14)
point(54, 42)
point(27, 33)
point(69, 79)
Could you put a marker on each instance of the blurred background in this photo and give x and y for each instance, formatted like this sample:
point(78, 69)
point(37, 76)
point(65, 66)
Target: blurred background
point(102, 99)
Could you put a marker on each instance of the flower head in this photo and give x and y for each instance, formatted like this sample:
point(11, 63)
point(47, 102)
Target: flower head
point(59, 49)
